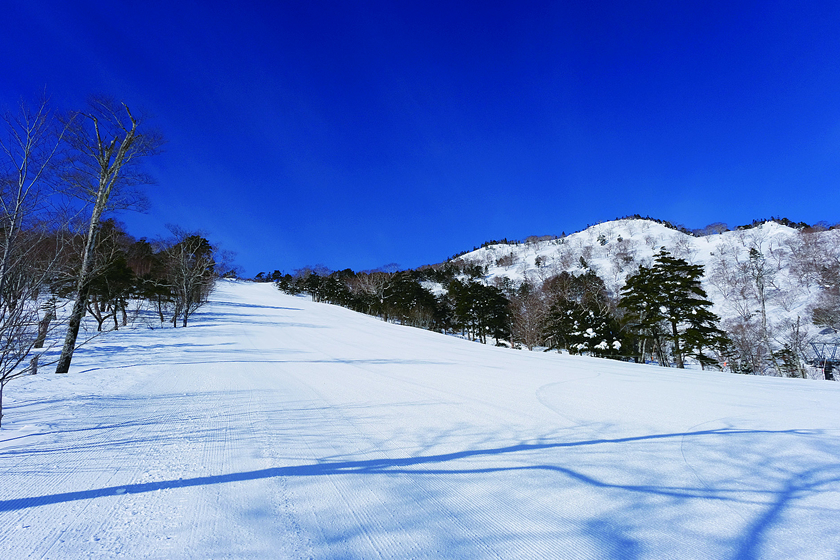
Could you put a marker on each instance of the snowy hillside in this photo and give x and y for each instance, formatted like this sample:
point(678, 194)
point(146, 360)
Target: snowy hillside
point(614, 249)
point(275, 427)
point(791, 261)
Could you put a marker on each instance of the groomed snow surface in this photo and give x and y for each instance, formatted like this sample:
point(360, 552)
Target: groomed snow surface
point(273, 427)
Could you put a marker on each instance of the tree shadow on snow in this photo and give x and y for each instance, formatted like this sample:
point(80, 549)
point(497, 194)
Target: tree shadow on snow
point(403, 466)
point(772, 497)
point(253, 306)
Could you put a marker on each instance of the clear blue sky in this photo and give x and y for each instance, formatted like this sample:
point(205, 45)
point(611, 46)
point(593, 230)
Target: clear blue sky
point(356, 134)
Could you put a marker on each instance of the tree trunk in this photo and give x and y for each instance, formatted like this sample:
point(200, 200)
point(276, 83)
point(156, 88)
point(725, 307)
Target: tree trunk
point(110, 155)
point(160, 309)
point(677, 350)
point(73, 325)
point(44, 326)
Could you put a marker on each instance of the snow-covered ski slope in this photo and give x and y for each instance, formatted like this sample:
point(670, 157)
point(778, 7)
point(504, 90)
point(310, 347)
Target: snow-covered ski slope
point(274, 427)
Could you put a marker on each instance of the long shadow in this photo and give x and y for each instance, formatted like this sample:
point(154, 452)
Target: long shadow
point(372, 361)
point(149, 348)
point(220, 319)
point(252, 306)
point(246, 318)
point(403, 466)
point(149, 423)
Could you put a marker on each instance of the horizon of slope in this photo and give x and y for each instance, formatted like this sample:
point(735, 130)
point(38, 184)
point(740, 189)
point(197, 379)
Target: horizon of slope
point(277, 427)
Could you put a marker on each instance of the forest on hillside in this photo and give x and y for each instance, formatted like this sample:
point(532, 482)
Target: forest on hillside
point(752, 300)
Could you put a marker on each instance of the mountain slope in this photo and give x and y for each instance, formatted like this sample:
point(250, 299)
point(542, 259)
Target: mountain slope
point(770, 268)
point(276, 427)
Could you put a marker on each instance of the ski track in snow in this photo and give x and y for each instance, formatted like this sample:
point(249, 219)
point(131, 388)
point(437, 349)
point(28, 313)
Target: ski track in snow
point(274, 427)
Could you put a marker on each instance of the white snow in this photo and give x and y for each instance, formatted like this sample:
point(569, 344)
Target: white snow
point(274, 427)
point(627, 243)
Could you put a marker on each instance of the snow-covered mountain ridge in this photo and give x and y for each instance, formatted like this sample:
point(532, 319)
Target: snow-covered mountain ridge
point(615, 248)
point(789, 262)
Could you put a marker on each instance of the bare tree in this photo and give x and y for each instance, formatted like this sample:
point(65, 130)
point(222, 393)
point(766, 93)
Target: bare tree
point(108, 148)
point(29, 144)
point(369, 289)
point(191, 272)
point(794, 348)
point(26, 315)
point(762, 275)
point(113, 281)
point(529, 308)
point(711, 229)
point(826, 310)
point(29, 244)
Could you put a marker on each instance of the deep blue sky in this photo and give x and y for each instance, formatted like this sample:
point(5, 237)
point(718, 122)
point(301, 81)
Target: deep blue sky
point(356, 134)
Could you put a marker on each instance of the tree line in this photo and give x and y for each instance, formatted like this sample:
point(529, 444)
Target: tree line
point(662, 313)
point(468, 306)
point(61, 256)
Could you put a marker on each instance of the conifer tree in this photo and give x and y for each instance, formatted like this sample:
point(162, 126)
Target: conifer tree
point(480, 310)
point(582, 329)
point(640, 299)
point(666, 303)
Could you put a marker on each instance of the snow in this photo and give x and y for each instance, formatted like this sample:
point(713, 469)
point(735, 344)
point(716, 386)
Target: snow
point(790, 294)
point(274, 427)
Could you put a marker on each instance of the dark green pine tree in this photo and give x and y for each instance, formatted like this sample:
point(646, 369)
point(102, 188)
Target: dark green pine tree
point(667, 303)
point(703, 333)
point(582, 329)
point(640, 298)
point(600, 333)
point(581, 317)
point(409, 302)
point(480, 311)
point(563, 325)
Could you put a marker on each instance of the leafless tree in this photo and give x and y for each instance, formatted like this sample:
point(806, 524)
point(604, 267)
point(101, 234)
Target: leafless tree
point(26, 312)
point(112, 280)
point(794, 347)
point(30, 143)
point(762, 276)
point(108, 146)
point(30, 244)
point(190, 266)
point(682, 247)
point(712, 229)
point(750, 352)
point(371, 285)
point(826, 310)
point(529, 309)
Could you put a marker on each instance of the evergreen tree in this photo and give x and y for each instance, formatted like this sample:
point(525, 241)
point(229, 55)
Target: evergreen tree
point(563, 325)
point(110, 290)
point(644, 312)
point(582, 329)
point(667, 304)
point(480, 310)
point(410, 303)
